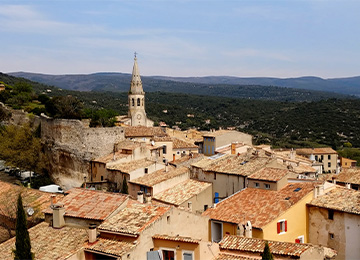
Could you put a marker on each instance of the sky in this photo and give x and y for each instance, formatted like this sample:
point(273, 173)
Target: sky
point(283, 38)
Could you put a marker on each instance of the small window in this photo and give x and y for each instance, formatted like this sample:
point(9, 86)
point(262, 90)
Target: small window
point(282, 226)
point(214, 175)
point(329, 157)
point(102, 178)
point(316, 158)
point(329, 164)
point(188, 255)
point(146, 170)
point(205, 207)
point(267, 186)
point(164, 149)
point(331, 235)
point(322, 157)
point(168, 219)
point(133, 102)
point(257, 185)
point(330, 214)
point(168, 254)
point(138, 102)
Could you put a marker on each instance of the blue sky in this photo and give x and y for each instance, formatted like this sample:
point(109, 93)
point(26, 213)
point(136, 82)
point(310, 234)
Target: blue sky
point(284, 38)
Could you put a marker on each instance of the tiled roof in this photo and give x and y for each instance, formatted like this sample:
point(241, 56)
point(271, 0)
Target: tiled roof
point(143, 131)
point(134, 218)
point(258, 205)
point(182, 192)
point(233, 164)
point(217, 133)
point(351, 175)
point(225, 256)
point(180, 144)
point(48, 243)
point(128, 167)
point(90, 204)
point(156, 177)
point(231, 242)
point(111, 157)
point(269, 174)
point(182, 159)
point(128, 145)
point(341, 199)
point(302, 168)
point(38, 200)
point(309, 151)
point(162, 139)
point(176, 238)
point(110, 246)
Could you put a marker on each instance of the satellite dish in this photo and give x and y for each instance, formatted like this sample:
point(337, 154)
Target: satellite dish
point(30, 211)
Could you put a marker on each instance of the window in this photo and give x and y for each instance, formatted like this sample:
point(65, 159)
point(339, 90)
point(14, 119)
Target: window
point(216, 231)
point(214, 175)
point(146, 170)
point(267, 186)
point(216, 197)
point(282, 226)
point(164, 149)
point(138, 102)
point(299, 240)
point(168, 219)
point(168, 254)
point(102, 178)
point(331, 214)
point(331, 235)
point(133, 102)
point(316, 157)
point(257, 185)
point(329, 164)
point(187, 255)
point(322, 157)
point(329, 157)
point(205, 207)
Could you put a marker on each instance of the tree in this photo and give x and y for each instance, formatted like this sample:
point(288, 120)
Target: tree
point(22, 245)
point(124, 188)
point(67, 107)
point(19, 147)
point(267, 255)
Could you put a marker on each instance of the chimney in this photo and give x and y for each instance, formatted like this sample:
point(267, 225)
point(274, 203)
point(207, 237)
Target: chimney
point(92, 233)
point(173, 157)
point(140, 196)
point(148, 197)
point(52, 200)
point(316, 192)
point(166, 166)
point(190, 206)
point(240, 230)
point(248, 229)
point(292, 154)
point(58, 215)
point(334, 180)
point(233, 148)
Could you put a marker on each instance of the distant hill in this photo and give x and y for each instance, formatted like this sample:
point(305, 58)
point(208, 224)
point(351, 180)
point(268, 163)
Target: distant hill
point(297, 89)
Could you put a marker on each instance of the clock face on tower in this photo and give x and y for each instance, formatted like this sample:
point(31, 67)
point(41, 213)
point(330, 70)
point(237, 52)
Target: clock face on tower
point(138, 116)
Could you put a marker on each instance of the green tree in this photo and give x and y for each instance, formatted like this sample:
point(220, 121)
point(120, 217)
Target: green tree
point(124, 188)
point(19, 147)
point(267, 255)
point(22, 245)
point(67, 107)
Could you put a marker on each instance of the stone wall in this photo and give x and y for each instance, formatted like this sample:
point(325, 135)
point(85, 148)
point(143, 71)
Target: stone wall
point(70, 145)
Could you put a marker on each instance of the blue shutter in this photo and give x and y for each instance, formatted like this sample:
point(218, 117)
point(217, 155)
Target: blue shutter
point(216, 197)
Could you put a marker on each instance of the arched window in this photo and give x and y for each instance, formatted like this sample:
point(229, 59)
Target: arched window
point(138, 102)
point(133, 102)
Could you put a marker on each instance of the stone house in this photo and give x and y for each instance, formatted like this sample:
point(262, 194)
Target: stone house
point(278, 215)
point(325, 156)
point(228, 173)
point(349, 178)
point(215, 139)
point(334, 221)
point(269, 178)
point(347, 163)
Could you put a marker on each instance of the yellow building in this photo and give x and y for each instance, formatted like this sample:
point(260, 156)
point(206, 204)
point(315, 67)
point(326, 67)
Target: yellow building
point(267, 214)
point(347, 163)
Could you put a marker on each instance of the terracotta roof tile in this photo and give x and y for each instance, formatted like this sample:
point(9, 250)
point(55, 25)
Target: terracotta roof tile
point(309, 151)
point(258, 205)
point(217, 133)
point(180, 144)
point(162, 139)
point(156, 177)
point(48, 243)
point(111, 157)
point(128, 167)
point(110, 246)
point(269, 174)
point(183, 159)
point(182, 192)
point(38, 200)
point(225, 256)
point(351, 175)
point(128, 145)
point(90, 204)
point(134, 218)
point(233, 164)
point(177, 238)
point(341, 199)
point(231, 242)
point(143, 131)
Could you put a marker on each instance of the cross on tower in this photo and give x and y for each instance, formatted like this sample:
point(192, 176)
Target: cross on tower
point(135, 53)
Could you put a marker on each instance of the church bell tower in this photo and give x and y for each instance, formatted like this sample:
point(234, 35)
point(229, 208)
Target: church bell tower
point(137, 99)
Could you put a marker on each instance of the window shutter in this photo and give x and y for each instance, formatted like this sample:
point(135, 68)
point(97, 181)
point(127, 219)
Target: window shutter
point(278, 227)
point(285, 225)
point(297, 241)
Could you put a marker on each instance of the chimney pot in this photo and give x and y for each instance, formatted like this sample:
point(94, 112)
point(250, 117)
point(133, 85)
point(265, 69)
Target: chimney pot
point(140, 196)
point(92, 233)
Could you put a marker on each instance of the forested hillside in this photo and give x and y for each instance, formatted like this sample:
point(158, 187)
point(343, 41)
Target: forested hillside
point(284, 124)
point(119, 82)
